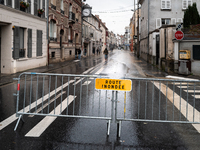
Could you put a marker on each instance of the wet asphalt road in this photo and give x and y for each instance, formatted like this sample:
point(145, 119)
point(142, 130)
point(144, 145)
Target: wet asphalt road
point(86, 134)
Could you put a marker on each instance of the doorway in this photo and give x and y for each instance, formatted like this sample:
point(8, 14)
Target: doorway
point(157, 49)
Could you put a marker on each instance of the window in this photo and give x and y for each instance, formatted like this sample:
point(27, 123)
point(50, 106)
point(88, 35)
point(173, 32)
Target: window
point(165, 4)
point(196, 52)
point(36, 6)
point(9, 3)
point(61, 5)
point(53, 30)
point(53, 2)
point(166, 21)
point(19, 50)
point(70, 35)
point(186, 3)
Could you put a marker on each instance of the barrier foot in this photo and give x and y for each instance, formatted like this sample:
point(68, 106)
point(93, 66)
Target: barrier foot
point(108, 127)
point(119, 126)
point(17, 122)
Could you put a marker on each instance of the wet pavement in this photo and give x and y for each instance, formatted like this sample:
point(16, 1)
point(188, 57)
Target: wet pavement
point(86, 134)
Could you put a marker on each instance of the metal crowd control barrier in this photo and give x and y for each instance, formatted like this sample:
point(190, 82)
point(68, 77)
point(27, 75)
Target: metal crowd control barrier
point(62, 95)
point(160, 100)
point(114, 100)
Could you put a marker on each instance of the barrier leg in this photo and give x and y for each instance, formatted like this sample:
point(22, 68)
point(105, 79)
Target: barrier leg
point(108, 127)
point(17, 122)
point(119, 126)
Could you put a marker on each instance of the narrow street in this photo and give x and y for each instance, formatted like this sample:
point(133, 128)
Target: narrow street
point(79, 98)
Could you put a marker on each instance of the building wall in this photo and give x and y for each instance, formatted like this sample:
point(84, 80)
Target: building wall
point(12, 17)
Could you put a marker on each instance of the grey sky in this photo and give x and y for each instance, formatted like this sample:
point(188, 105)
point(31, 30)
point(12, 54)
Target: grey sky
point(115, 13)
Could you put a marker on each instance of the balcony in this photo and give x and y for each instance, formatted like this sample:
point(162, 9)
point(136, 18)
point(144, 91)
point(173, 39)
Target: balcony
point(53, 39)
point(62, 11)
point(70, 41)
point(22, 53)
point(71, 17)
point(53, 6)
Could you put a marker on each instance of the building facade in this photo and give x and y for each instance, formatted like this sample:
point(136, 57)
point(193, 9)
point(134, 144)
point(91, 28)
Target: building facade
point(23, 39)
point(154, 15)
point(64, 29)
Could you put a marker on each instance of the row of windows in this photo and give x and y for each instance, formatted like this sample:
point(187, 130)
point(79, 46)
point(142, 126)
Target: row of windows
point(166, 4)
point(167, 21)
point(35, 7)
point(88, 32)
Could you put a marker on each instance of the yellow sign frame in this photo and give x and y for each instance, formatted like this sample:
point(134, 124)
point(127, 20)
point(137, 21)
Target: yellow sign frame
point(113, 84)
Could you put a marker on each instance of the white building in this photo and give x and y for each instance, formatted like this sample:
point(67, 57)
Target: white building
point(156, 13)
point(23, 40)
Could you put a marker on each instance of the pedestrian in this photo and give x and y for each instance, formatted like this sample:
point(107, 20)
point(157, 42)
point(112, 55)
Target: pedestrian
point(97, 51)
point(106, 54)
point(79, 53)
point(94, 50)
point(76, 52)
point(85, 51)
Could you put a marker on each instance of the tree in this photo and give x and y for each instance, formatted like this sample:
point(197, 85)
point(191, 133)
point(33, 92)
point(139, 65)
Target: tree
point(191, 16)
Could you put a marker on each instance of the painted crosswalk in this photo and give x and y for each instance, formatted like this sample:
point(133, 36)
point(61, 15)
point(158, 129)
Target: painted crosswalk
point(48, 120)
point(44, 123)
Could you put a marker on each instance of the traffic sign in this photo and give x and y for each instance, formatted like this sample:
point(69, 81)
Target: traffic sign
point(113, 84)
point(179, 35)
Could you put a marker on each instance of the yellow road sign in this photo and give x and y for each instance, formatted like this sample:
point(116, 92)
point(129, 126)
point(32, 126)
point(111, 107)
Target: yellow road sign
point(113, 84)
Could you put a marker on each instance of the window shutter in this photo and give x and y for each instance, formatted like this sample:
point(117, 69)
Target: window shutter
point(17, 4)
point(39, 43)
point(16, 43)
point(184, 4)
point(173, 21)
point(158, 23)
point(29, 43)
point(163, 4)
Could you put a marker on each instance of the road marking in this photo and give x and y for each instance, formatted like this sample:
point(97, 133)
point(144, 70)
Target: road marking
point(192, 91)
point(180, 78)
point(76, 60)
point(88, 70)
point(48, 103)
point(183, 87)
point(100, 70)
point(46, 122)
point(184, 104)
point(12, 118)
point(196, 96)
point(86, 82)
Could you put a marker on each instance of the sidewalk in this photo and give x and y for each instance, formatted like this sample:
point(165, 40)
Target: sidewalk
point(8, 78)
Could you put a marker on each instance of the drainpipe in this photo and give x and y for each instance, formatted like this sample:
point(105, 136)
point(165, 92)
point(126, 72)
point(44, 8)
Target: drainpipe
point(148, 33)
point(47, 32)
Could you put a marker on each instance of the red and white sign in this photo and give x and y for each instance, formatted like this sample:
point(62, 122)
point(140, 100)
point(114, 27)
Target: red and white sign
point(179, 35)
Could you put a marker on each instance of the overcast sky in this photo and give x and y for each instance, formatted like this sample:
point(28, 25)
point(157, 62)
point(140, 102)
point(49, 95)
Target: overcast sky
point(115, 13)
